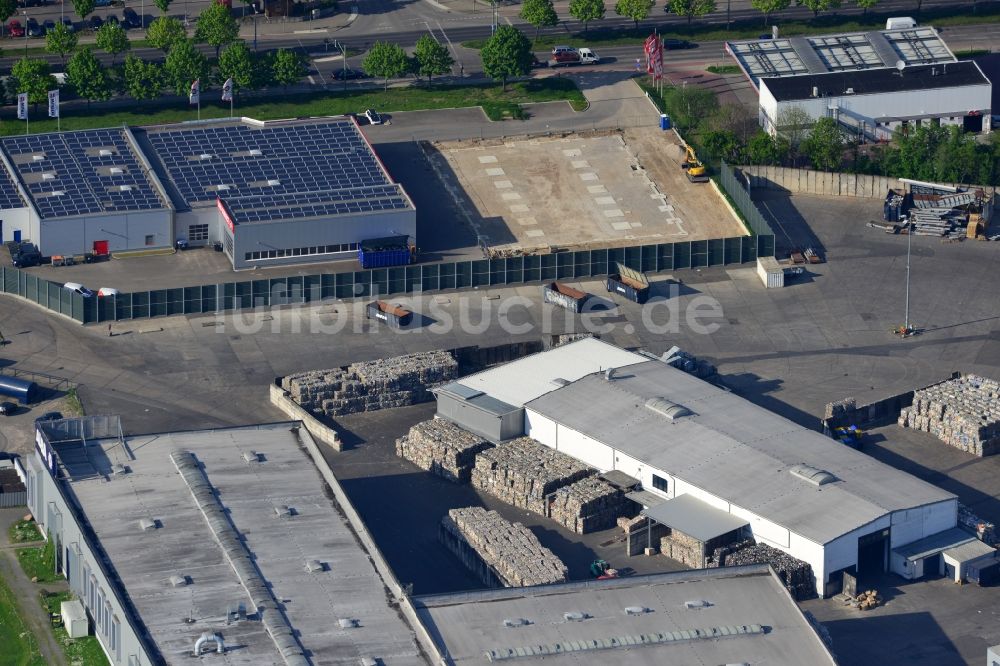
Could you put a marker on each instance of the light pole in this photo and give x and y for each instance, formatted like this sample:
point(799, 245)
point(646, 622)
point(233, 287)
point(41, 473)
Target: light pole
point(906, 315)
point(25, 13)
point(255, 30)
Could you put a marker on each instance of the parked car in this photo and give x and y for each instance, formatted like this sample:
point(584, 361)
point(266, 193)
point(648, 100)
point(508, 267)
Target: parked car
point(48, 25)
point(49, 416)
point(102, 3)
point(7, 408)
point(78, 288)
point(373, 117)
point(348, 74)
point(68, 22)
point(14, 28)
point(112, 19)
point(96, 22)
point(556, 50)
point(674, 44)
point(107, 291)
point(130, 19)
point(24, 255)
point(34, 28)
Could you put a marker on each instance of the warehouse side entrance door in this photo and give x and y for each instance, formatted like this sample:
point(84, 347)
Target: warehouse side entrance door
point(873, 554)
point(101, 248)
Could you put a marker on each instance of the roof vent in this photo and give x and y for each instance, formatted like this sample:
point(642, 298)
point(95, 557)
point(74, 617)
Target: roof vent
point(37, 158)
point(250, 457)
point(609, 374)
point(815, 476)
point(559, 381)
point(57, 193)
point(205, 156)
point(666, 408)
point(222, 187)
point(849, 91)
point(104, 152)
point(369, 661)
point(147, 524)
point(348, 623)
point(284, 511)
point(119, 470)
point(256, 152)
point(115, 171)
point(315, 566)
point(124, 188)
point(273, 183)
point(220, 647)
point(516, 622)
point(50, 175)
point(178, 581)
point(575, 616)
point(697, 603)
point(637, 610)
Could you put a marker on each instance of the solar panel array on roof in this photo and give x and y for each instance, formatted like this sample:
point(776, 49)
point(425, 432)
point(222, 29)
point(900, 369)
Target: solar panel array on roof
point(295, 205)
point(76, 173)
point(269, 161)
point(9, 196)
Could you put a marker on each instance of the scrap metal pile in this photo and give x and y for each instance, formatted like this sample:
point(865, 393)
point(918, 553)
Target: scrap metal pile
point(371, 385)
point(522, 472)
point(963, 413)
point(442, 448)
point(796, 575)
point(500, 551)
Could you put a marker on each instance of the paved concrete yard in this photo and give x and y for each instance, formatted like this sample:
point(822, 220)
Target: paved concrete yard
point(582, 190)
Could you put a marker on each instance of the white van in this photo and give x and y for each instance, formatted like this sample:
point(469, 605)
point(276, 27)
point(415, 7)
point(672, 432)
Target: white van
point(900, 23)
point(588, 57)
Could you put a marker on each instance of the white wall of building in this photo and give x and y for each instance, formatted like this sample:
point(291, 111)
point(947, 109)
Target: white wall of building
point(914, 524)
point(948, 104)
point(18, 219)
point(122, 231)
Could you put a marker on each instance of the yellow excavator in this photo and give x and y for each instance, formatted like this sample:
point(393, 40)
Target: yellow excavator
point(696, 171)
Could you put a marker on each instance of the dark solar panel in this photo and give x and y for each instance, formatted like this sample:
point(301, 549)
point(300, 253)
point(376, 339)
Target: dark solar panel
point(78, 173)
point(301, 158)
point(265, 208)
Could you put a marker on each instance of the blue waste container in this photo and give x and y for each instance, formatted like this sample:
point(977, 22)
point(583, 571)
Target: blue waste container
point(664, 121)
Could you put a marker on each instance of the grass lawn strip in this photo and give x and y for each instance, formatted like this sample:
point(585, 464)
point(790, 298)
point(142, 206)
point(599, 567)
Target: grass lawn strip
point(18, 646)
point(24, 531)
point(39, 563)
point(496, 103)
point(85, 651)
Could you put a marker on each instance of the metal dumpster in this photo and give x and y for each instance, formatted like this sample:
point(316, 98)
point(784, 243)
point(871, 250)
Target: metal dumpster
point(394, 315)
point(630, 283)
point(564, 296)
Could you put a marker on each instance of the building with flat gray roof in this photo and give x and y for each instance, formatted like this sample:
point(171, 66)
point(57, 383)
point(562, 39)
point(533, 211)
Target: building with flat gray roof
point(737, 615)
point(233, 534)
point(797, 490)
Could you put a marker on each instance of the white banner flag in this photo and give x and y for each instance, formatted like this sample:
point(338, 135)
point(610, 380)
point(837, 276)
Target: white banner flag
point(195, 96)
point(22, 106)
point(227, 91)
point(53, 104)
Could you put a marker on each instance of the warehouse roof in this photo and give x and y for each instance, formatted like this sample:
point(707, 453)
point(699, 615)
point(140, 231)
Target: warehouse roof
point(953, 538)
point(148, 522)
point(876, 81)
point(739, 452)
point(525, 379)
point(749, 618)
point(690, 515)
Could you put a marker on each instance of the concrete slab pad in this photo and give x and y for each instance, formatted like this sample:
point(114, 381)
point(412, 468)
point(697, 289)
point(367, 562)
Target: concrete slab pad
point(496, 171)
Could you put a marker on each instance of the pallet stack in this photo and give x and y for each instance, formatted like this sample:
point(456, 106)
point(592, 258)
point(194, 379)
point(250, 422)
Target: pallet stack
point(796, 575)
point(589, 505)
point(963, 413)
point(372, 385)
point(442, 448)
point(522, 472)
point(500, 552)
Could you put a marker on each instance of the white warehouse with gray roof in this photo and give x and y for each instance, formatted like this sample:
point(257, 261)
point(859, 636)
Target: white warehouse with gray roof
point(794, 489)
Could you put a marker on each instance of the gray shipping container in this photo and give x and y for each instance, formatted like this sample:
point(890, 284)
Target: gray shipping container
point(564, 296)
point(394, 315)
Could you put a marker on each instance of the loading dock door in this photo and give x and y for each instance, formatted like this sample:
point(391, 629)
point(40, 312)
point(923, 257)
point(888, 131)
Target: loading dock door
point(873, 552)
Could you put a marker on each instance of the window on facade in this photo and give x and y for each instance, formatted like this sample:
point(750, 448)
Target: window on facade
point(300, 251)
point(150, 239)
point(660, 483)
point(198, 232)
point(107, 617)
point(116, 647)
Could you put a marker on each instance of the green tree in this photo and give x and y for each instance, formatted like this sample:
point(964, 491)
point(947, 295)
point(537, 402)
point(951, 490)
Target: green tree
point(793, 123)
point(762, 148)
point(216, 27)
point(768, 7)
point(236, 62)
point(818, 6)
point(59, 41)
point(689, 105)
point(143, 80)
point(636, 10)
point(89, 78)
point(539, 14)
point(386, 60)
point(507, 53)
point(586, 11)
point(83, 8)
point(288, 68)
point(7, 9)
point(32, 76)
point(690, 9)
point(162, 5)
point(164, 32)
point(866, 5)
point(112, 39)
point(432, 57)
point(825, 145)
point(184, 64)
point(725, 145)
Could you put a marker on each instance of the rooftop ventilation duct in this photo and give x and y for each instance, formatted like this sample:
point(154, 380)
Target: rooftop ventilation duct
point(516, 622)
point(220, 647)
point(609, 374)
point(636, 610)
point(575, 616)
point(815, 476)
point(696, 604)
point(666, 408)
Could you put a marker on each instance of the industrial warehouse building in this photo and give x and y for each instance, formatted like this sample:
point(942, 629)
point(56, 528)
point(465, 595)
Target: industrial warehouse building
point(270, 193)
point(751, 471)
point(872, 83)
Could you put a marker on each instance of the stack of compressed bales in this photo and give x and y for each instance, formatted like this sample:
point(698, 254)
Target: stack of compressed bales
point(963, 413)
point(442, 448)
